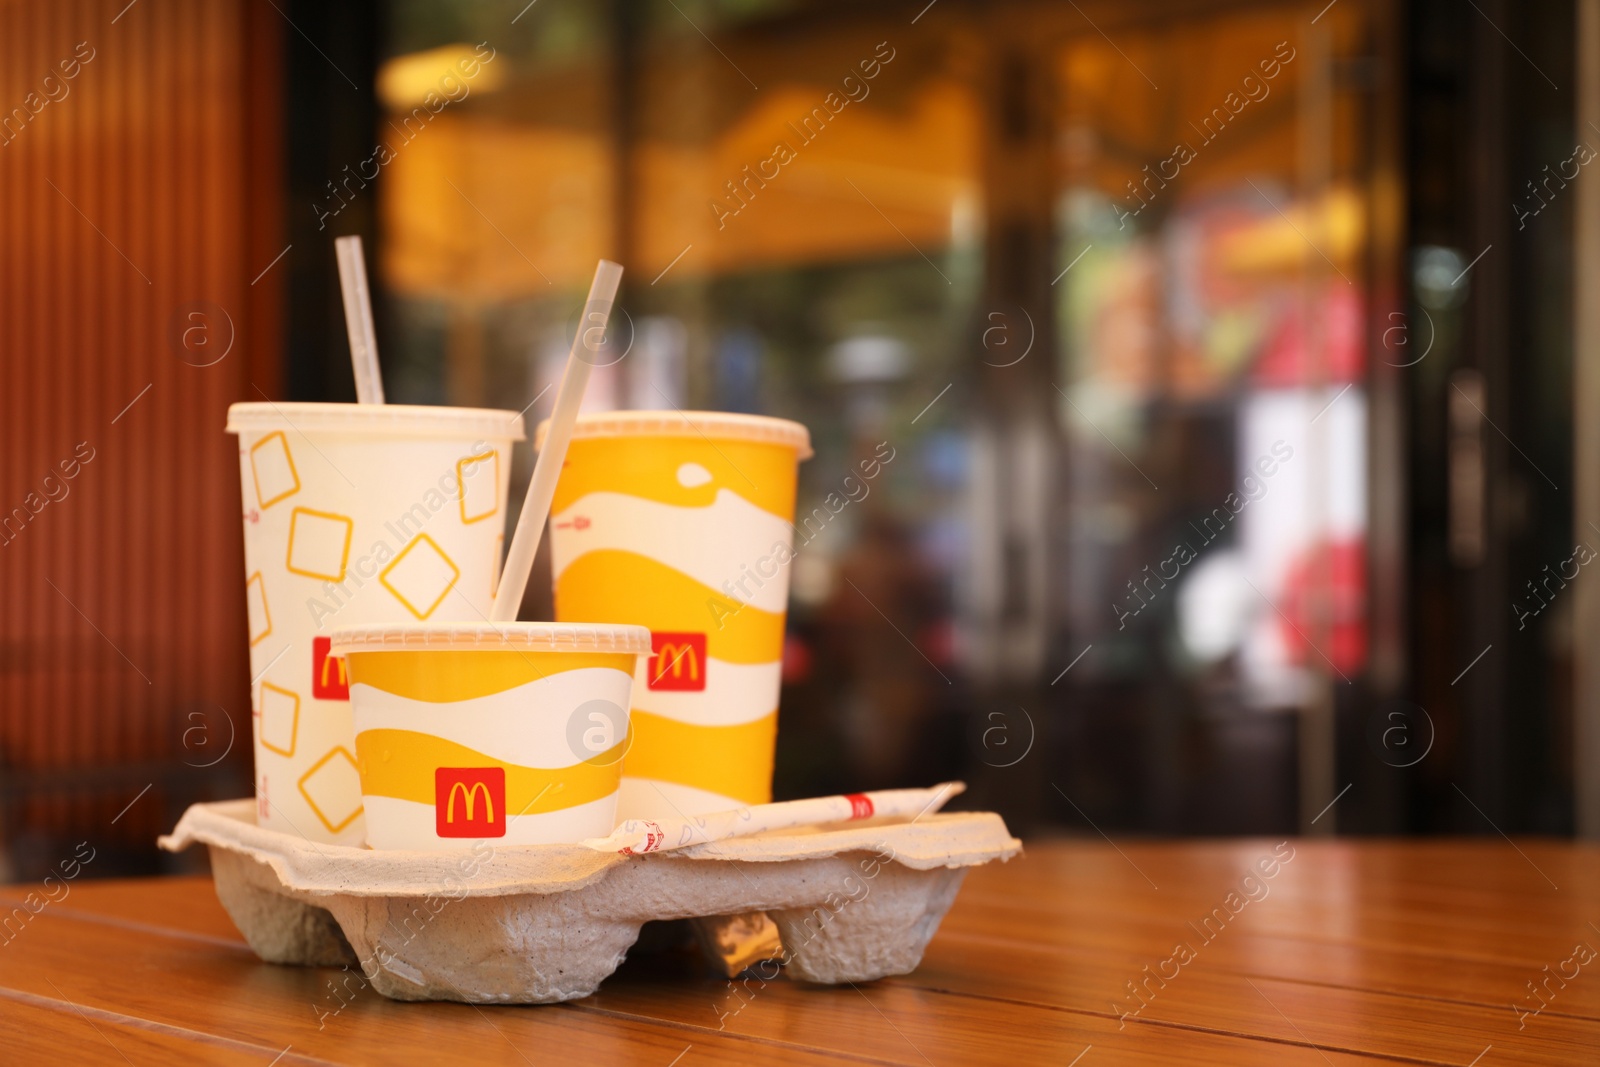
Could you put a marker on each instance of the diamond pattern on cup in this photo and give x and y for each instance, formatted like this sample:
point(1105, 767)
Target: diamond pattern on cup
point(255, 604)
point(420, 576)
point(333, 789)
point(280, 718)
point(478, 486)
point(319, 544)
point(273, 469)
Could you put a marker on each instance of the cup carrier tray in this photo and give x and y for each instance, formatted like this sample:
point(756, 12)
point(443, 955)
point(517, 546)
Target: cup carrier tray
point(537, 924)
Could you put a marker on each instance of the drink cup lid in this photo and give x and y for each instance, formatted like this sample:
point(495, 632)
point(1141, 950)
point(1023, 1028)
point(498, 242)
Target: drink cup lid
point(718, 425)
point(493, 637)
point(390, 420)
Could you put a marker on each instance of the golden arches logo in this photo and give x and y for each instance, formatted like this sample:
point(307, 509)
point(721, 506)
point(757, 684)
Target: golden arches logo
point(330, 679)
point(331, 663)
point(483, 801)
point(468, 795)
point(678, 661)
point(677, 658)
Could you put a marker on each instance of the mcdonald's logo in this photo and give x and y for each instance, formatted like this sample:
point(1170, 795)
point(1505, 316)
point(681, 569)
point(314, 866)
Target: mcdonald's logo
point(328, 678)
point(677, 661)
point(469, 801)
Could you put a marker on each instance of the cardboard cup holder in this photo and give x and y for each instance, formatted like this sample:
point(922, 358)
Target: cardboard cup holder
point(538, 924)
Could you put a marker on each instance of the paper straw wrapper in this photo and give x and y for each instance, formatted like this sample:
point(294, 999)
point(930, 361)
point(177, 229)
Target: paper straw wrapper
point(649, 835)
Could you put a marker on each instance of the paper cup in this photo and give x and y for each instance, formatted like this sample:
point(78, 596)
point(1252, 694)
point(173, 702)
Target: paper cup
point(683, 523)
point(513, 733)
point(353, 514)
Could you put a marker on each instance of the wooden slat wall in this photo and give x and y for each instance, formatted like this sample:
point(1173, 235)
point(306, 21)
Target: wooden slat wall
point(148, 187)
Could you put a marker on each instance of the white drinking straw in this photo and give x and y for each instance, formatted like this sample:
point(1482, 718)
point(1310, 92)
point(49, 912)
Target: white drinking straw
point(358, 319)
point(542, 486)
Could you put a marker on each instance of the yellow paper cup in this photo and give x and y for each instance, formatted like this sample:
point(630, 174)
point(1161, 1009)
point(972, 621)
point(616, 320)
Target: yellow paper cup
point(354, 514)
point(511, 733)
point(683, 523)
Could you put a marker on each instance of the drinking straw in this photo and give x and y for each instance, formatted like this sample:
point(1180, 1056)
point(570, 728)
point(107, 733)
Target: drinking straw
point(542, 486)
point(358, 319)
point(661, 835)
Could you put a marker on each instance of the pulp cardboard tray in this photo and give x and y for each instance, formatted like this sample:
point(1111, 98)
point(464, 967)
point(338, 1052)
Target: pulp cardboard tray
point(536, 924)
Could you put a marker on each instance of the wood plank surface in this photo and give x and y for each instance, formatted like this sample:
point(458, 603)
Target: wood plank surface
point(1349, 953)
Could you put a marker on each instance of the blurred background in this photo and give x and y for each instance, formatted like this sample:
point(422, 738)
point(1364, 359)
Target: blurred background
point(1243, 476)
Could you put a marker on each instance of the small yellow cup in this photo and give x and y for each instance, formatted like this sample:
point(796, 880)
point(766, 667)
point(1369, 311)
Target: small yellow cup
point(683, 522)
point(512, 733)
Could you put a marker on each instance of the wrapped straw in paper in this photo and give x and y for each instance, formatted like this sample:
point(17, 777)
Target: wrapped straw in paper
point(648, 835)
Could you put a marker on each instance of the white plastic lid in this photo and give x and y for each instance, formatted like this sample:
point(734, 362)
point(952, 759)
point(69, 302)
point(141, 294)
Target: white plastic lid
point(399, 420)
point(490, 637)
point(723, 425)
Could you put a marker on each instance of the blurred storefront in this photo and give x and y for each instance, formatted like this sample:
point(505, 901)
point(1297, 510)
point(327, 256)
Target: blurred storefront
point(1116, 333)
point(1130, 293)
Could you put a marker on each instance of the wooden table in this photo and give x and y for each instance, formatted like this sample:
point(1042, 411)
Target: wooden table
point(1350, 953)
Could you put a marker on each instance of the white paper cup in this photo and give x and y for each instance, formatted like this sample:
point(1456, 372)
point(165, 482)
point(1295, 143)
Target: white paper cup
point(510, 732)
point(353, 514)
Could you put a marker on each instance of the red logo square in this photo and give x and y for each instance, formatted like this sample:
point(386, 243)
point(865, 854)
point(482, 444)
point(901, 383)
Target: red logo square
point(328, 678)
point(677, 661)
point(469, 801)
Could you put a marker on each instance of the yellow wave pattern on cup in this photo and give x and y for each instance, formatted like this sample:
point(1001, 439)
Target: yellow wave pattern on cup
point(400, 763)
point(445, 677)
point(734, 761)
point(647, 466)
point(665, 531)
point(604, 581)
point(485, 711)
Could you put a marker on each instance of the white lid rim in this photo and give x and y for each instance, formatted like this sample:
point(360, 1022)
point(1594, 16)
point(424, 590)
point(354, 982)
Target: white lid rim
point(408, 419)
point(722, 425)
point(492, 637)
